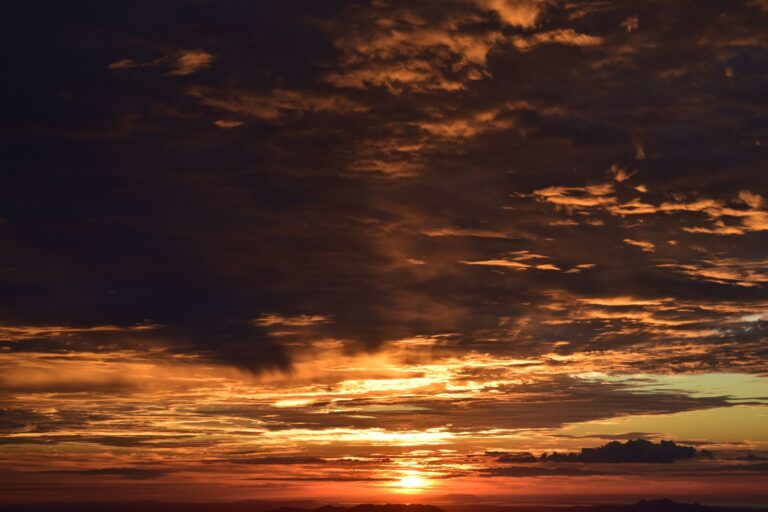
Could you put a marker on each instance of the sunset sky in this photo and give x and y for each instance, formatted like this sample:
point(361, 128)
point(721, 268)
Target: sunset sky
point(383, 250)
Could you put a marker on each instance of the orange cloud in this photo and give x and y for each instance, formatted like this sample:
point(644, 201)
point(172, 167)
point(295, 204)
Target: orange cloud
point(516, 13)
point(521, 260)
point(733, 271)
point(26, 332)
point(577, 197)
point(275, 104)
point(270, 320)
point(402, 50)
point(181, 62)
point(226, 123)
point(645, 246)
point(567, 37)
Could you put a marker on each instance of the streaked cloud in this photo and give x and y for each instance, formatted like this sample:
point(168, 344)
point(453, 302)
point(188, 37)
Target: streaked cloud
point(276, 104)
point(643, 245)
point(294, 321)
point(567, 37)
point(179, 63)
point(731, 271)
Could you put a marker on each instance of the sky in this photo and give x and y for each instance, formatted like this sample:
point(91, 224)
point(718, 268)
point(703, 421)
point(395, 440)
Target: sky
point(384, 251)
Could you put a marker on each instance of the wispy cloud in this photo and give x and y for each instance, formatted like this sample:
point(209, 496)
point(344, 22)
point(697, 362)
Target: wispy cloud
point(178, 63)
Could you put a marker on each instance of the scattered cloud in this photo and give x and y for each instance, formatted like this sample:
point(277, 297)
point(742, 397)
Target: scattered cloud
point(731, 271)
point(228, 123)
point(272, 319)
point(577, 198)
point(518, 260)
point(567, 37)
point(179, 63)
point(631, 24)
point(276, 104)
point(644, 246)
point(187, 62)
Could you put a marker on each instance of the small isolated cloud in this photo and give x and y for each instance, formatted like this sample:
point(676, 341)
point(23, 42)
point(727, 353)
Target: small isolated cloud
point(226, 123)
point(393, 168)
point(567, 37)
point(186, 62)
point(577, 198)
point(180, 63)
point(269, 320)
point(275, 104)
point(581, 267)
point(623, 301)
point(518, 260)
point(645, 246)
point(464, 232)
point(516, 265)
point(619, 174)
point(123, 64)
point(631, 24)
point(638, 450)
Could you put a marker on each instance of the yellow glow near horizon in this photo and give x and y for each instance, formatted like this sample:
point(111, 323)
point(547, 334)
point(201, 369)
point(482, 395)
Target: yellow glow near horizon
point(412, 482)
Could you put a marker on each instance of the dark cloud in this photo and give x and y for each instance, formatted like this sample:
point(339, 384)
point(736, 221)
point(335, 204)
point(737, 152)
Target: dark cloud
point(627, 436)
point(517, 457)
point(279, 460)
point(528, 471)
point(130, 473)
point(761, 468)
point(638, 450)
point(126, 203)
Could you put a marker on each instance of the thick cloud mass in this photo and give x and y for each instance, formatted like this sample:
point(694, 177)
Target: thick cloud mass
point(638, 450)
point(473, 170)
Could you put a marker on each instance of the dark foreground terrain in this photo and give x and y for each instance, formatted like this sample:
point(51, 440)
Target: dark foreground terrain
point(663, 505)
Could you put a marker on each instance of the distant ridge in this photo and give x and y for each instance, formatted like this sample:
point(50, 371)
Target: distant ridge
point(661, 505)
point(390, 507)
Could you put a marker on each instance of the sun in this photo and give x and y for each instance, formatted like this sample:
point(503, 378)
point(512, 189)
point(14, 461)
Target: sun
point(412, 482)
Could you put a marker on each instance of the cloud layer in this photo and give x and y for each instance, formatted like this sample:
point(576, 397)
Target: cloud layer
point(291, 242)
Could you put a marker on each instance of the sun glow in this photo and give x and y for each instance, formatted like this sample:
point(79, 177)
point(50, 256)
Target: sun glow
point(412, 482)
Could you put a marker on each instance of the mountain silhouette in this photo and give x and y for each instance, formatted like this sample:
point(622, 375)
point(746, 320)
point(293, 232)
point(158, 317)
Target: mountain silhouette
point(366, 508)
point(661, 505)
